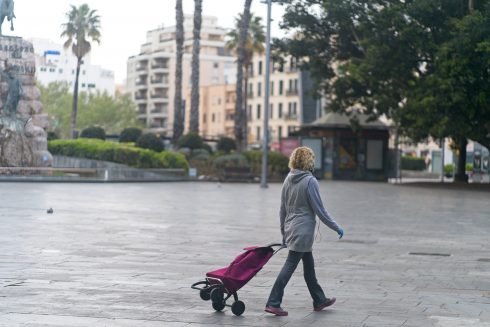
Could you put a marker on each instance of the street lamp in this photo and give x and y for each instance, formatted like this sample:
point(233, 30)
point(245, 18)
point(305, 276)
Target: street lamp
point(265, 144)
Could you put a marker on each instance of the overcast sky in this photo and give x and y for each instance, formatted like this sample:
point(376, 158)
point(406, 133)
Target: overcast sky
point(124, 23)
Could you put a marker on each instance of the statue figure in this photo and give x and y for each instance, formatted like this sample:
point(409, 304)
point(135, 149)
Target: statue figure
point(14, 91)
point(7, 10)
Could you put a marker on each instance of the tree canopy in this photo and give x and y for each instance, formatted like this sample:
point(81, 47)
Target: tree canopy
point(424, 64)
point(113, 114)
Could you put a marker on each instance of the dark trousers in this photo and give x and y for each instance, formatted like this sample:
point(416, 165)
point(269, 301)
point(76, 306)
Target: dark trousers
point(287, 271)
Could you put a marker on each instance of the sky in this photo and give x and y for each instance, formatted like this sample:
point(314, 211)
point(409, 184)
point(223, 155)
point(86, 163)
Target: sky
point(124, 23)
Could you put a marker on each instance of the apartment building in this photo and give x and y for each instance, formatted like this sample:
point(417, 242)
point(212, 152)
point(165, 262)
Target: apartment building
point(216, 111)
point(151, 73)
point(291, 105)
point(54, 63)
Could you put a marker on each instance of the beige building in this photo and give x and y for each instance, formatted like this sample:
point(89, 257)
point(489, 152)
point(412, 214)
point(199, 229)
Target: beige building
point(216, 111)
point(151, 74)
point(290, 103)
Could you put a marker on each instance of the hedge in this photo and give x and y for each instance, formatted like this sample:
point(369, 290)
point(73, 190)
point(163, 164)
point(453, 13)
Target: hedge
point(119, 153)
point(413, 163)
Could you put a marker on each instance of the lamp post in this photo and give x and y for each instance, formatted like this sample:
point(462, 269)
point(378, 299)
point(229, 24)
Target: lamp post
point(265, 144)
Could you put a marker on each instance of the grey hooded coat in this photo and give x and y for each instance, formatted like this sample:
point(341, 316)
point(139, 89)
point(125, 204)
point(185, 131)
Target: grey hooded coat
point(300, 202)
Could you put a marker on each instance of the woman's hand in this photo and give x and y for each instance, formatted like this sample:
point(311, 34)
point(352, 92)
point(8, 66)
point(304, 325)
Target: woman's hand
point(341, 233)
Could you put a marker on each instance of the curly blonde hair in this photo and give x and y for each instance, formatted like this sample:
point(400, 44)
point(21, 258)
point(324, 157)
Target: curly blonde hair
point(302, 158)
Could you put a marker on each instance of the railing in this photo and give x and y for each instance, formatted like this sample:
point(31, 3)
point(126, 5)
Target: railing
point(140, 97)
point(111, 174)
point(290, 116)
point(159, 81)
point(158, 96)
point(141, 68)
point(159, 66)
point(291, 92)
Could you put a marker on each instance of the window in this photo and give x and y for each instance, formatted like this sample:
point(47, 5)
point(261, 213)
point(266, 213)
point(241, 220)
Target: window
point(204, 118)
point(60, 71)
point(272, 110)
point(260, 67)
point(272, 88)
point(290, 85)
point(73, 71)
point(281, 87)
point(91, 86)
point(279, 132)
point(83, 84)
point(290, 108)
point(249, 112)
point(257, 137)
point(258, 111)
point(213, 117)
point(250, 89)
point(216, 65)
point(83, 72)
point(296, 85)
point(259, 89)
point(295, 108)
point(52, 70)
point(279, 113)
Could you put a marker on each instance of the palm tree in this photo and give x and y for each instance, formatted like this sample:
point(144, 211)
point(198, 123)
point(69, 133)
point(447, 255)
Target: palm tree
point(179, 38)
point(254, 45)
point(82, 25)
point(240, 113)
point(194, 120)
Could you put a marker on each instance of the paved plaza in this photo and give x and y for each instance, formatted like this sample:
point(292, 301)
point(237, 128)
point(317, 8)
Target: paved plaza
point(126, 255)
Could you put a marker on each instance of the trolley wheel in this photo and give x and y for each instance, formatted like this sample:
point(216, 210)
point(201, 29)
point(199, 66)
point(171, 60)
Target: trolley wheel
point(238, 308)
point(204, 294)
point(217, 295)
point(218, 306)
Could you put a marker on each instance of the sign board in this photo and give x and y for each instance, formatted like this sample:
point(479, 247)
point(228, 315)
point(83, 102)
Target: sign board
point(287, 145)
point(316, 144)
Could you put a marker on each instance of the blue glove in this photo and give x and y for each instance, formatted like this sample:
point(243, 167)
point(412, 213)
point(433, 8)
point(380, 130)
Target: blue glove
point(341, 233)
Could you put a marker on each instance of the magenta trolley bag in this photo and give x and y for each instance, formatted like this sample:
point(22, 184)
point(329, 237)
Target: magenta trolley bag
point(227, 281)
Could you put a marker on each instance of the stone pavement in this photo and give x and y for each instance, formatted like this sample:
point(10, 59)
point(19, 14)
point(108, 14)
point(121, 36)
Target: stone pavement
point(126, 254)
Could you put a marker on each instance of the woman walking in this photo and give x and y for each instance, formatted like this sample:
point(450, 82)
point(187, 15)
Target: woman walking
point(300, 202)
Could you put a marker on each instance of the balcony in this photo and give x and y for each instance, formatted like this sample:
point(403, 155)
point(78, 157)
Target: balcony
point(159, 81)
point(159, 95)
point(142, 110)
point(140, 96)
point(141, 68)
point(292, 92)
point(159, 110)
point(290, 117)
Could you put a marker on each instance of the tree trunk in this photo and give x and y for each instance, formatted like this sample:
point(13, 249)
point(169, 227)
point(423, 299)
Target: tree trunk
point(178, 127)
point(244, 126)
point(74, 110)
point(194, 121)
point(460, 175)
point(241, 52)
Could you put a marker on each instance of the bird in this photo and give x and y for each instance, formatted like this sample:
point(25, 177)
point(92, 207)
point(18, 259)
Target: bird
point(50, 211)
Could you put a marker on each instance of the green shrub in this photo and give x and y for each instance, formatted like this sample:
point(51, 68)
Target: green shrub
point(119, 153)
point(52, 136)
point(130, 135)
point(151, 142)
point(191, 141)
point(199, 152)
point(231, 161)
point(226, 144)
point(413, 163)
point(469, 167)
point(277, 162)
point(448, 169)
point(93, 132)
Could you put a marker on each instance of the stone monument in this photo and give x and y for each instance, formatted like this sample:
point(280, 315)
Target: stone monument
point(23, 139)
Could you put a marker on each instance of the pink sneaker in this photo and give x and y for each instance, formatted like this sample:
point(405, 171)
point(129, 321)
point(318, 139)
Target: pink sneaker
point(277, 311)
point(326, 304)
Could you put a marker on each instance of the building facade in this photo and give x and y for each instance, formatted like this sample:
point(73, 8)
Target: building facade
point(216, 111)
point(54, 63)
point(291, 105)
point(151, 74)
